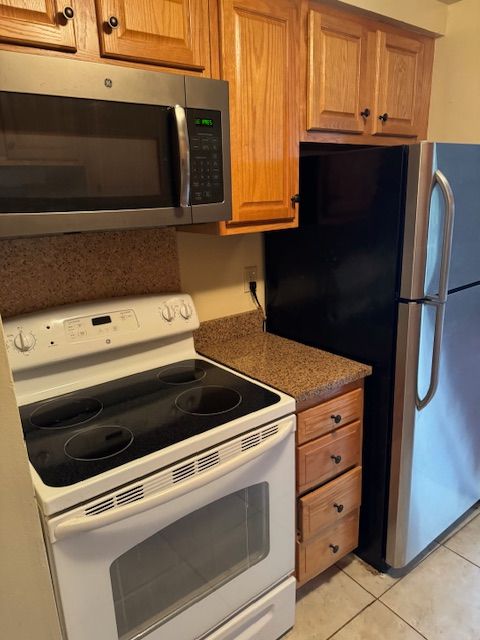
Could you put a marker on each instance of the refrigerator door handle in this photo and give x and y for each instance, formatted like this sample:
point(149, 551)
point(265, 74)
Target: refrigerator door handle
point(437, 345)
point(440, 179)
point(439, 300)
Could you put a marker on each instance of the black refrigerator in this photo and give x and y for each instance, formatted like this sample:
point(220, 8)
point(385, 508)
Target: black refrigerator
point(385, 269)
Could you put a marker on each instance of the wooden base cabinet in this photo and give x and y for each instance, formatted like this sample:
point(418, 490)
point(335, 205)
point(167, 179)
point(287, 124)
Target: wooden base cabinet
point(329, 481)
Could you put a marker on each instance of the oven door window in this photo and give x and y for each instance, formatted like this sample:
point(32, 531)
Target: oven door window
point(190, 559)
point(70, 154)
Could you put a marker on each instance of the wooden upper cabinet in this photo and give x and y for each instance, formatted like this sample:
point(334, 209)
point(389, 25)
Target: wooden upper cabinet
point(259, 44)
point(363, 77)
point(42, 23)
point(171, 33)
point(337, 91)
point(400, 90)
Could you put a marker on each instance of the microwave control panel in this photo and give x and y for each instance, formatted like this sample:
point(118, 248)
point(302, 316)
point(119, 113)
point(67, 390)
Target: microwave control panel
point(206, 157)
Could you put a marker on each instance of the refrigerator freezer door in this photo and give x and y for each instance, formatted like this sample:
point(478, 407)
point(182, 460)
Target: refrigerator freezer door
point(460, 163)
point(435, 470)
point(417, 206)
point(426, 215)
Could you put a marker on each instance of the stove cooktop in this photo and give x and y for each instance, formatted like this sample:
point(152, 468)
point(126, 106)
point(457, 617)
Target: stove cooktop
point(77, 436)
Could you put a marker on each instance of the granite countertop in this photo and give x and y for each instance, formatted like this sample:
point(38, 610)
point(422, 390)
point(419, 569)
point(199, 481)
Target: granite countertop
point(303, 372)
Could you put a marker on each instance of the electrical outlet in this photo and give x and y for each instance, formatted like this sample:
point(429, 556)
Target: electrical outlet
point(249, 275)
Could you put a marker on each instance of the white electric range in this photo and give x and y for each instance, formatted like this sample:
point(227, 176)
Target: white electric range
point(165, 481)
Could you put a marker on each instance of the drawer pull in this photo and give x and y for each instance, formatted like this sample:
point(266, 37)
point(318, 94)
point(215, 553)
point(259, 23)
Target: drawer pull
point(336, 459)
point(336, 418)
point(338, 507)
point(334, 548)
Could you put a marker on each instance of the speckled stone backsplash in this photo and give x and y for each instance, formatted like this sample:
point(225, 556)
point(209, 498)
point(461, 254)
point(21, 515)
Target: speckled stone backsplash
point(37, 273)
point(238, 325)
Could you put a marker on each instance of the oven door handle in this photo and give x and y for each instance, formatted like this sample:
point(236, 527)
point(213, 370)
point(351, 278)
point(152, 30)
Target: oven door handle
point(80, 524)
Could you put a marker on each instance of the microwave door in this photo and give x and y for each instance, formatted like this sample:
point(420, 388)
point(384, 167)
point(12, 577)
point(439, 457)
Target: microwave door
point(93, 153)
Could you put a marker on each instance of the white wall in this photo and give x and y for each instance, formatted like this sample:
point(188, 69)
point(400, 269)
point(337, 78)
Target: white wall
point(430, 15)
point(455, 103)
point(211, 270)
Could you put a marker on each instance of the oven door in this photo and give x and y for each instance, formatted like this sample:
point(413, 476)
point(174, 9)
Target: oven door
point(196, 543)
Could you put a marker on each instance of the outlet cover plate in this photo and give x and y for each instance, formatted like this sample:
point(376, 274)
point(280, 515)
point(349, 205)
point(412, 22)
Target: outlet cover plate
point(249, 275)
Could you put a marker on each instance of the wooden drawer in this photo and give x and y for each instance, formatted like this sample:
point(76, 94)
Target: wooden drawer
point(329, 415)
point(328, 456)
point(328, 504)
point(319, 553)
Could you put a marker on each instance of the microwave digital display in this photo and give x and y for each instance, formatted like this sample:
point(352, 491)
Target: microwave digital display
point(204, 122)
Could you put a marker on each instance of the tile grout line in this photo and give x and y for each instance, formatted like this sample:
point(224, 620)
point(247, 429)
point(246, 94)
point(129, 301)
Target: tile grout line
point(460, 556)
point(397, 580)
point(352, 618)
point(365, 589)
point(454, 533)
point(377, 599)
point(406, 621)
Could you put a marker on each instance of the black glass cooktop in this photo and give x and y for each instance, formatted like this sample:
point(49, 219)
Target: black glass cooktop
point(79, 435)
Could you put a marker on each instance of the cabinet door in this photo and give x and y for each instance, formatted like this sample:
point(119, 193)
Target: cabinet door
point(172, 33)
point(259, 56)
point(38, 22)
point(400, 90)
point(337, 74)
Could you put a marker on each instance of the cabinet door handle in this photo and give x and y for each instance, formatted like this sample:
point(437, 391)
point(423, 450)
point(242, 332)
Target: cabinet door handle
point(68, 13)
point(336, 459)
point(338, 507)
point(365, 113)
point(334, 548)
point(295, 199)
point(336, 418)
point(383, 117)
point(112, 22)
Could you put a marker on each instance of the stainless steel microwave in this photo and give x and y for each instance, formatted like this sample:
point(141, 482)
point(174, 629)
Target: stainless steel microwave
point(87, 146)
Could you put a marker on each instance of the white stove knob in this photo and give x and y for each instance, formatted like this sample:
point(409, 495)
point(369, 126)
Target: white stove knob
point(185, 311)
point(24, 341)
point(168, 313)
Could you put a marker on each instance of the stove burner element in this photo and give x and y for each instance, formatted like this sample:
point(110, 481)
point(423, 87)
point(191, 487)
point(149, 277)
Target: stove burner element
point(69, 412)
point(183, 374)
point(98, 443)
point(208, 400)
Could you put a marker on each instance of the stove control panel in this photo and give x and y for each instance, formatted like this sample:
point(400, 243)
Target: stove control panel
point(54, 335)
point(91, 327)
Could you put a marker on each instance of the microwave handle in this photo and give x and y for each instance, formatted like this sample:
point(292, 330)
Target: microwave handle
point(184, 154)
point(72, 526)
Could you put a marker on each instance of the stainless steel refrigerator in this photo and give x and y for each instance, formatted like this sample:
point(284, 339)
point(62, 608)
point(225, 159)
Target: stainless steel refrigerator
point(385, 269)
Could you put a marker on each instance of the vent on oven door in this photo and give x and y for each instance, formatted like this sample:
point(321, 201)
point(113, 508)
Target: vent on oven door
point(181, 472)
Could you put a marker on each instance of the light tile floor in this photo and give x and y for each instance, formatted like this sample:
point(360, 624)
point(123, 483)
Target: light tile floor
point(438, 600)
